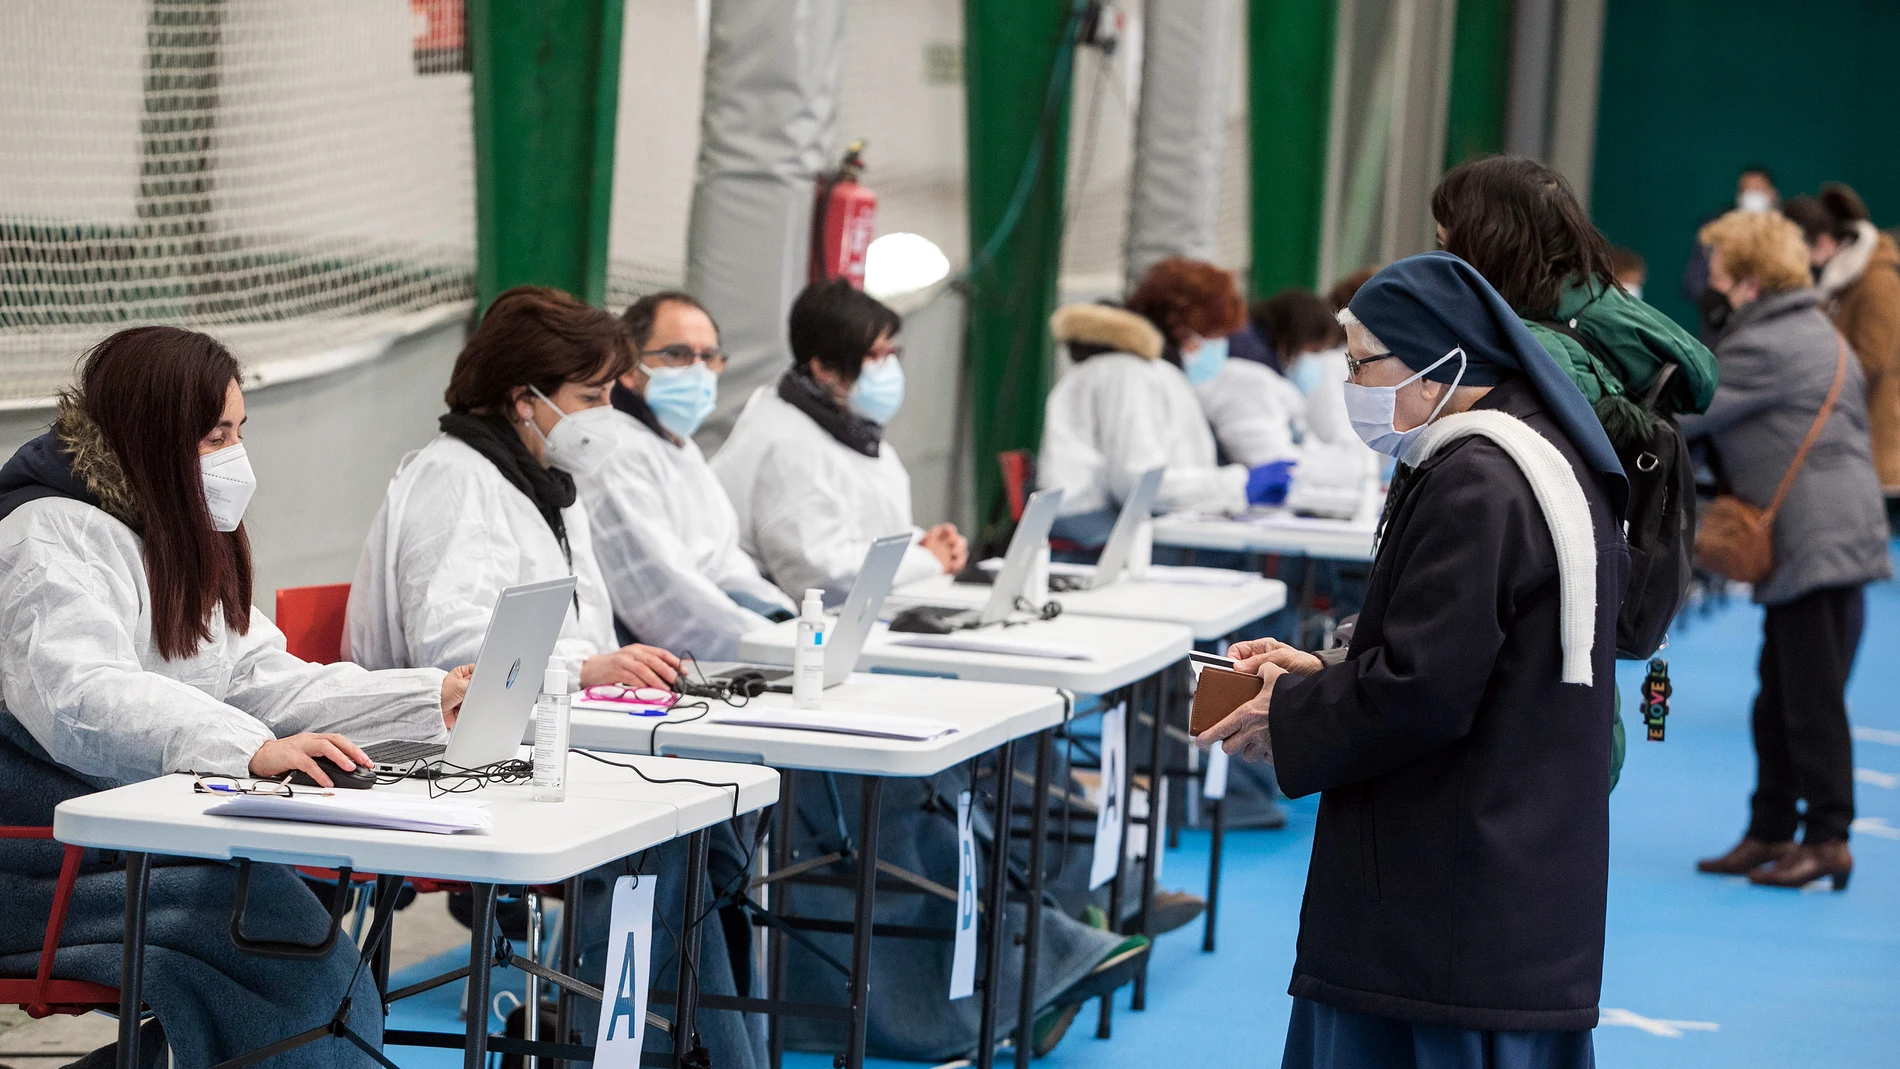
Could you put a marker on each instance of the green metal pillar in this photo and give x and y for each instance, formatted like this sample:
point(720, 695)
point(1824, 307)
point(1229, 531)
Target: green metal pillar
point(1480, 81)
point(1018, 58)
point(1289, 110)
point(547, 84)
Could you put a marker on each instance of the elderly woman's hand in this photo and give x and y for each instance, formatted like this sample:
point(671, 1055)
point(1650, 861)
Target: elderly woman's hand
point(1243, 733)
point(1250, 655)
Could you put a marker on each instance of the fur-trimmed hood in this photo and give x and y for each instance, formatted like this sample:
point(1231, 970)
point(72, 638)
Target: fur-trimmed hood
point(72, 460)
point(1103, 328)
point(1851, 262)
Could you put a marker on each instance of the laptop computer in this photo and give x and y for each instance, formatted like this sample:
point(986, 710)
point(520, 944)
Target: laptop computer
point(1011, 583)
point(853, 626)
point(521, 635)
point(1121, 540)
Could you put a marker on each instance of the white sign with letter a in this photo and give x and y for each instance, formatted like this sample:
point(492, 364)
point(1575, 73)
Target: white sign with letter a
point(1108, 815)
point(963, 958)
point(623, 1013)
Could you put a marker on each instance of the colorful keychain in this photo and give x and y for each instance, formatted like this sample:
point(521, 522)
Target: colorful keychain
point(1656, 691)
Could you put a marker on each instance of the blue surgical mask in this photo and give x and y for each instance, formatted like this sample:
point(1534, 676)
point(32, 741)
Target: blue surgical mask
point(1371, 409)
point(1204, 363)
point(879, 391)
point(1308, 373)
point(682, 397)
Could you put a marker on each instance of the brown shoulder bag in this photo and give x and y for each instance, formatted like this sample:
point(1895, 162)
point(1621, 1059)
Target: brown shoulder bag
point(1734, 538)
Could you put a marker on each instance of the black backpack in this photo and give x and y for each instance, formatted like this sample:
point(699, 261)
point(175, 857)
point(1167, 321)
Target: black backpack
point(1660, 521)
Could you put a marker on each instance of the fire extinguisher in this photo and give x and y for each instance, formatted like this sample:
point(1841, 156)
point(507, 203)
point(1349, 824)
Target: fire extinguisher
point(843, 219)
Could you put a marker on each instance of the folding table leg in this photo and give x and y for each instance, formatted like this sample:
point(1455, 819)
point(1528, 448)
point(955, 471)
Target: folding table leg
point(686, 1016)
point(775, 939)
point(996, 902)
point(1132, 695)
point(1215, 839)
point(481, 955)
point(1156, 800)
point(138, 871)
point(570, 960)
point(1032, 912)
point(861, 921)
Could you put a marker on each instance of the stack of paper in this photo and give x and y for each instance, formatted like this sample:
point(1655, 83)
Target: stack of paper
point(602, 705)
point(1189, 576)
point(361, 809)
point(915, 729)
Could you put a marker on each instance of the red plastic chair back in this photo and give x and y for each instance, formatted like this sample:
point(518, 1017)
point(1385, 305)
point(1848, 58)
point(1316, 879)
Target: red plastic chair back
point(311, 618)
point(1019, 478)
point(42, 995)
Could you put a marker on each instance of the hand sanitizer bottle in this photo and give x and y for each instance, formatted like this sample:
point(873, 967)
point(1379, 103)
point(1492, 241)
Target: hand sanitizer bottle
point(808, 657)
point(551, 713)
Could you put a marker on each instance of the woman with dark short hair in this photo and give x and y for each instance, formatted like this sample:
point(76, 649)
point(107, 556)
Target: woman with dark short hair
point(129, 649)
point(809, 472)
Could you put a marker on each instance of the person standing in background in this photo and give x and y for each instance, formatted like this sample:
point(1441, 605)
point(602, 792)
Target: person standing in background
point(1779, 359)
point(1859, 277)
point(1755, 191)
point(1630, 270)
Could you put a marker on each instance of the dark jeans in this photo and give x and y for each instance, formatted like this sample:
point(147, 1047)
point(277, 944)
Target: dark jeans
point(1803, 751)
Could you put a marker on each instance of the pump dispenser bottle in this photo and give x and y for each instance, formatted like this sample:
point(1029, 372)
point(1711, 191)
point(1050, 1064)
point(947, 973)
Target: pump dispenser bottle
point(808, 657)
point(551, 713)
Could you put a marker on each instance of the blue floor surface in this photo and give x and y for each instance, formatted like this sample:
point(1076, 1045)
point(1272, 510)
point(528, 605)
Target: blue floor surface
point(1700, 970)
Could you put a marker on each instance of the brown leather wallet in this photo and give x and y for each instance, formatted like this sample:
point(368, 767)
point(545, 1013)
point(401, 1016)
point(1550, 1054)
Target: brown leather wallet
point(1219, 692)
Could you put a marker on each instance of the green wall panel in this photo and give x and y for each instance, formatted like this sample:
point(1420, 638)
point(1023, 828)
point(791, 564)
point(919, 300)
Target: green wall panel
point(547, 83)
point(1693, 91)
point(1480, 80)
point(1289, 101)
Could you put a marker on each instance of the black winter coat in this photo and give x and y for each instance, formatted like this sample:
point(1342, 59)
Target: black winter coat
point(1461, 858)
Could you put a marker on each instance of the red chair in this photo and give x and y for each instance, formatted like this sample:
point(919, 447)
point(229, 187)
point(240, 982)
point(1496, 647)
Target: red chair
point(311, 618)
point(42, 995)
point(1019, 478)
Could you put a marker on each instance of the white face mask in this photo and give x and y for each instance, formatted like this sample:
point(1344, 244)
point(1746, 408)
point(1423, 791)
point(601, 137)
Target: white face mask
point(229, 483)
point(580, 441)
point(1754, 200)
point(1371, 408)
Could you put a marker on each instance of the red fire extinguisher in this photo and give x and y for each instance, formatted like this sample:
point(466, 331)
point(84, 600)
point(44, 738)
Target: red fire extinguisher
point(843, 219)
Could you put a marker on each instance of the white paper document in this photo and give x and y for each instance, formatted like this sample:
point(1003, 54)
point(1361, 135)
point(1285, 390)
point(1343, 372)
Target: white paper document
point(623, 1013)
point(874, 725)
point(1108, 814)
point(995, 642)
point(362, 809)
point(963, 957)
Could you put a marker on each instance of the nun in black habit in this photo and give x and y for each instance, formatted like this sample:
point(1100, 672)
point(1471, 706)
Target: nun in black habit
point(1454, 905)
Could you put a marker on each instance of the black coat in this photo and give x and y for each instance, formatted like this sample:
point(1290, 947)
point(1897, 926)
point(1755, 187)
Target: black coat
point(1460, 862)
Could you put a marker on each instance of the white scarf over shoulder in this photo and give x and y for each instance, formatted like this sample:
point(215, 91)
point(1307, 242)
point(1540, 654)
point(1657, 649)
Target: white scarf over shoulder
point(1566, 513)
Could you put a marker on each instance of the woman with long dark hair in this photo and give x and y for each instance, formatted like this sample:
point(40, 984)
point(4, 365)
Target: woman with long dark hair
point(129, 649)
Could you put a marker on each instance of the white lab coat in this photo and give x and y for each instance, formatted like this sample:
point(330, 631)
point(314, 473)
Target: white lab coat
point(452, 533)
point(81, 672)
point(1112, 417)
point(810, 506)
point(1252, 410)
point(667, 542)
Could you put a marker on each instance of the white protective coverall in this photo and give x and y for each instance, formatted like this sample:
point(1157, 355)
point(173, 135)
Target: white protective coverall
point(1119, 413)
point(810, 506)
point(1253, 412)
point(667, 541)
point(1324, 419)
point(81, 672)
point(452, 533)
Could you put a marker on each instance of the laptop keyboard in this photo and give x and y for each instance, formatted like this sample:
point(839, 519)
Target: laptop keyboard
point(402, 753)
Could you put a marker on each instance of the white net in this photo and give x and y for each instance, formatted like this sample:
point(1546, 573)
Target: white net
point(293, 177)
point(662, 81)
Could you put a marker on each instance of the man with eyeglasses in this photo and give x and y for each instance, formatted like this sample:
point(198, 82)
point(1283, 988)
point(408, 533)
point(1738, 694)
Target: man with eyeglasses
point(665, 534)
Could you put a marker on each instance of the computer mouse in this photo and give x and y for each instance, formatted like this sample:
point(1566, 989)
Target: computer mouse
point(355, 780)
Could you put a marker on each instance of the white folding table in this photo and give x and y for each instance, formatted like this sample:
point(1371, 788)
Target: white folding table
point(609, 813)
point(988, 717)
point(1131, 656)
point(1271, 530)
point(1209, 611)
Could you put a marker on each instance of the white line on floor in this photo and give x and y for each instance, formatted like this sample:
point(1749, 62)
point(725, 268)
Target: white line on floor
point(1888, 780)
point(1609, 1017)
point(1865, 734)
point(1876, 826)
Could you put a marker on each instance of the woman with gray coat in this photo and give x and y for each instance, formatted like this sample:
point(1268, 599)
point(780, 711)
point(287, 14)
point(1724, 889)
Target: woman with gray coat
point(1778, 356)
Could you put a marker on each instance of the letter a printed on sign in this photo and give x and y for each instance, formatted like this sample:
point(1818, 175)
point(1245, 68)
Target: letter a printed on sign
point(623, 1013)
point(1108, 816)
point(963, 958)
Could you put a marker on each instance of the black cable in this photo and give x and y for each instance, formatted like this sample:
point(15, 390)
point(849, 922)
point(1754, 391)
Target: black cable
point(635, 769)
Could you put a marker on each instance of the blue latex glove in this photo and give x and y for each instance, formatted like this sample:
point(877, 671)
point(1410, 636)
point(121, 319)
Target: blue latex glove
point(1266, 484)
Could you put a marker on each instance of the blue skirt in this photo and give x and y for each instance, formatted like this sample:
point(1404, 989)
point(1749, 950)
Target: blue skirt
point(1323, 1037)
